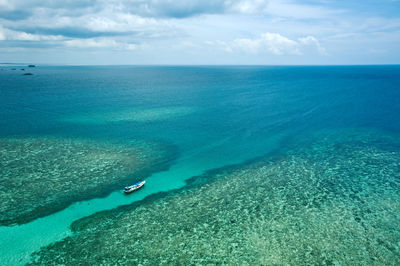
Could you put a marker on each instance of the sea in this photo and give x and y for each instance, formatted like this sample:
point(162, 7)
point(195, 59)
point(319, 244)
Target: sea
point(244, 165)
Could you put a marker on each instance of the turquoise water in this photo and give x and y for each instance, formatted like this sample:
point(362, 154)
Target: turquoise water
point(198, 119)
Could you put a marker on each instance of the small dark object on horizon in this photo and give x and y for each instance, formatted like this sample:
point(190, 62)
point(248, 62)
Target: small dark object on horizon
point(23, 69)
point(31, 66)
point(27, 74)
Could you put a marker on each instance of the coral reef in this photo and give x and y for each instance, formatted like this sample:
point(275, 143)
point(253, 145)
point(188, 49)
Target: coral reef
point(336, 201)
point(43, 175)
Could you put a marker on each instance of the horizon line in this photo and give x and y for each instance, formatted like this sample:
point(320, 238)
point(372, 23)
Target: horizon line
point(194, 65)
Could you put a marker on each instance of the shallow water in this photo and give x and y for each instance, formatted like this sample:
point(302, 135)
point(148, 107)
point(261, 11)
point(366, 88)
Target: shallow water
point(211, 117)
point(337, 201)
point(44, 175)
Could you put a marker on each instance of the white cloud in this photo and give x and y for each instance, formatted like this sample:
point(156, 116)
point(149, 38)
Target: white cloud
point(248, 45)
point(225, 46)
point(248, 6)
point(99, 43)
point(119, 22)
point(104, 21)
point(311, 40)
point(11, 35)
point(272, 42)
point(289, 27)
point(278, 44)
point(187, 45)
point(91, 23)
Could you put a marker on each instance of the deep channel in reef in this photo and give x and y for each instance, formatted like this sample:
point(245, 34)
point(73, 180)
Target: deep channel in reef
point(40, 176)
point(333, 199)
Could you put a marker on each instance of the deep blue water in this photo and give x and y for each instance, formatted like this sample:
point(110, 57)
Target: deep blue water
point(213, 116)
point(246, 105)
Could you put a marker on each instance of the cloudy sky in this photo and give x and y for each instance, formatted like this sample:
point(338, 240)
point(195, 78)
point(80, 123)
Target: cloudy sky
point(200, 31)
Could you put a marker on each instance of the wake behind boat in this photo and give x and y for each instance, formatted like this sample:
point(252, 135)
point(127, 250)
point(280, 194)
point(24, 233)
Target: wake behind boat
point(134, 187)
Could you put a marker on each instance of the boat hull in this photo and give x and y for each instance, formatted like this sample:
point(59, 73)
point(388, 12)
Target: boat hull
point(134, 188)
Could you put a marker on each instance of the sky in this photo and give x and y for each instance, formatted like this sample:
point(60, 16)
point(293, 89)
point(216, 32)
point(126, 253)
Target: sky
point(205, 32)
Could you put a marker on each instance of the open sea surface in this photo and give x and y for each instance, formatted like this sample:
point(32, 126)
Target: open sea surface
point(243, 165)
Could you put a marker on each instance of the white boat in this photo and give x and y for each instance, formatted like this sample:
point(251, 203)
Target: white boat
point(134, 187)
